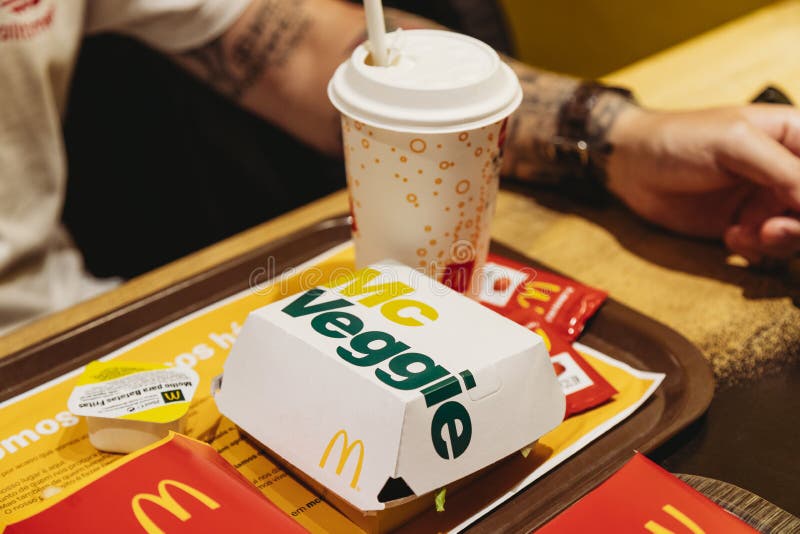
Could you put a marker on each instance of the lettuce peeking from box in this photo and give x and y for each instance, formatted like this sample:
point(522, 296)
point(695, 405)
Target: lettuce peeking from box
point(386, 385)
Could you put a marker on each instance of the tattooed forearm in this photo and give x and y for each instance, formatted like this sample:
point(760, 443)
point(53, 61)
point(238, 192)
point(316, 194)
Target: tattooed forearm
point(532, 128)
point(277, 58)
point(270, 35)
point(537, 126)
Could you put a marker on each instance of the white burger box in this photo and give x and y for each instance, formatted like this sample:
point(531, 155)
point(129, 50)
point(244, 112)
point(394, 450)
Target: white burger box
point(386, 385)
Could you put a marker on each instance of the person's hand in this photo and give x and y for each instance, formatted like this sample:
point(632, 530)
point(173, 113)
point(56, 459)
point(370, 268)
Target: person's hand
point(732, 173)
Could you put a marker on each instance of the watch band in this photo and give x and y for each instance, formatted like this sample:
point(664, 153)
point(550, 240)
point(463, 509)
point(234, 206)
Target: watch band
point(580, 155)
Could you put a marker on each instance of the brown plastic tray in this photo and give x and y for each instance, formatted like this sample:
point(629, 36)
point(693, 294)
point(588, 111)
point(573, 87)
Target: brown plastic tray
point(616, 330)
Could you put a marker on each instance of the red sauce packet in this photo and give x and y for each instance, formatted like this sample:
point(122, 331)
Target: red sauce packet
point(557, 309)
point(536, 298)
point(583, 386)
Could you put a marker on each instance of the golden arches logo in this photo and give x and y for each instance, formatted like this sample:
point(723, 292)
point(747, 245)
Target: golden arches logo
point(165, 500)
point(173, 395)
point(539, 291)
point(682, 518)
point(347, 451)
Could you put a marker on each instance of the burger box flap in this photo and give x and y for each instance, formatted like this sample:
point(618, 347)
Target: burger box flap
point(386, 384)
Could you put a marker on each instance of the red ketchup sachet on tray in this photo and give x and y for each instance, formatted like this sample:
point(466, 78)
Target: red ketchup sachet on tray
point(583, 386)
point(557, 309)
point(535, 298)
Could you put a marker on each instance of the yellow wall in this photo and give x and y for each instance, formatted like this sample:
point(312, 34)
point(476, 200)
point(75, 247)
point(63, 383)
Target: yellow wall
point(590, 38)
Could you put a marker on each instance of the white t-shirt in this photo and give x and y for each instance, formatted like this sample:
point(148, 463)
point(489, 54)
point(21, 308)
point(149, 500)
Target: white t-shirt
point(40, 269)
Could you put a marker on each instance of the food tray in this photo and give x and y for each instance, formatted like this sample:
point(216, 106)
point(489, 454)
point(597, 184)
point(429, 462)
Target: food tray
point(616, 330)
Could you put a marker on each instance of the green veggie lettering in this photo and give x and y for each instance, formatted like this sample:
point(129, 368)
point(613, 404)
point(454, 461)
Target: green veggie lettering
point(451, 427)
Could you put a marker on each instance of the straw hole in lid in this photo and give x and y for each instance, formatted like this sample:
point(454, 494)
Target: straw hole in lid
point(394, 59)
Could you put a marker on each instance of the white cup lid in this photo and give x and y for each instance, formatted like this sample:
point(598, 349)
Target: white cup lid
point(440, 82)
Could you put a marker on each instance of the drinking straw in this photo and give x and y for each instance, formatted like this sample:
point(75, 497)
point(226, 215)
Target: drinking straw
point(376, 30)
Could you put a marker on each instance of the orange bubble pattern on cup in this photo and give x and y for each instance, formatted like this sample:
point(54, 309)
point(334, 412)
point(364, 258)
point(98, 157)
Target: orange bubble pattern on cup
point(431, 193)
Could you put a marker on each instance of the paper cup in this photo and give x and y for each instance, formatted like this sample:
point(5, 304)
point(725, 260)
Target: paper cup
point(423, 142)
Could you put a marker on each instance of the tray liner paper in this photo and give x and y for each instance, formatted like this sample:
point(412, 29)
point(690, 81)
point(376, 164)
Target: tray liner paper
point(43, 445)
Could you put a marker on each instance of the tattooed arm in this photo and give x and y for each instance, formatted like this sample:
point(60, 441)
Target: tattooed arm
point(533, 127)
point(730, 173)
point(540, 130)
point(276, 60)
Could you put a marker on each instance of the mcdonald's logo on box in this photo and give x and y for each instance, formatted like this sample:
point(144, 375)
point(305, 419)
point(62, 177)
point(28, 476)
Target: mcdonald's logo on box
point(175, 486)
point(347, 451)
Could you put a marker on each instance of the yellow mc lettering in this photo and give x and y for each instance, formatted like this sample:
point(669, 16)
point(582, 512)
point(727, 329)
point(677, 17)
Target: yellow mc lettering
point(380, 293)
point(384, 293)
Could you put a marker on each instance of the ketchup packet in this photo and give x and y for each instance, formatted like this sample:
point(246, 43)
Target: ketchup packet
point(536, 298)
point(582, 385)
point(557, 309)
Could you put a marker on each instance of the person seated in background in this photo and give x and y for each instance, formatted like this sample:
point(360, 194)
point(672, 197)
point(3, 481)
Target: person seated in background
point(731, 174)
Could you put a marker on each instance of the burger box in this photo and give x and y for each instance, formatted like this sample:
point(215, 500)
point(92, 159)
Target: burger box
point(384, 385)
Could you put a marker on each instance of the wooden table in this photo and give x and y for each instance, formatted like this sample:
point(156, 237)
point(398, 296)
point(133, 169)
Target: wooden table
point(746, 322)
